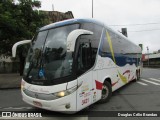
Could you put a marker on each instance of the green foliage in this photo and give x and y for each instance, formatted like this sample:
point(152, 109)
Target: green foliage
point(18, 22)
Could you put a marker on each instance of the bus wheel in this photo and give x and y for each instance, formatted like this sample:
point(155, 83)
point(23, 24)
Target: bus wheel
point(106, 92)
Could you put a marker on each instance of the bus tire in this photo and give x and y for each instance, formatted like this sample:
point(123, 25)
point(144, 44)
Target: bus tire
point(106, 92)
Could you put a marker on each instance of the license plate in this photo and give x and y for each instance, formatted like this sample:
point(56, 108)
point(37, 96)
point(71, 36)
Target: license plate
point(38, 104)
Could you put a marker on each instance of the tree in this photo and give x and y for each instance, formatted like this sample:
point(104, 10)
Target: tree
point(18, 22)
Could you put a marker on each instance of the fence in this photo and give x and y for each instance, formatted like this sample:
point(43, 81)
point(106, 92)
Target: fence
point(9, 67)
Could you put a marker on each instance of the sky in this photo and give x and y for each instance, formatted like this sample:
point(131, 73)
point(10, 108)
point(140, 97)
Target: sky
point(140, 17)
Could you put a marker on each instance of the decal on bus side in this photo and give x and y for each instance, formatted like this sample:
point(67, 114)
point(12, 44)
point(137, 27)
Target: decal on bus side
point(94, 97)
point(84, 88)
point(99, 85)
point(85, 101)
point(84, 92)
point(122, 77)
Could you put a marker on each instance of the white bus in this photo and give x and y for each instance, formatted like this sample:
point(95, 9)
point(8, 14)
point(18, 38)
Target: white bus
point(75, 63)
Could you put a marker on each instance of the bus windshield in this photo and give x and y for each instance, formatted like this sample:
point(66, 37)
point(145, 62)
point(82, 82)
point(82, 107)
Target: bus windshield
point(48, 58)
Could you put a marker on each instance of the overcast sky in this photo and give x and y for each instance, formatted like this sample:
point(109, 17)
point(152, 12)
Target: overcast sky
point(142, 17)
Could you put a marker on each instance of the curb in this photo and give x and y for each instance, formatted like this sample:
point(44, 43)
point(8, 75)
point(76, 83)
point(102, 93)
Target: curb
point(9, 88)
point(152, 68)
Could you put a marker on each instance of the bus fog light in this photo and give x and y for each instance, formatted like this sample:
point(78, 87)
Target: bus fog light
point(67, 106)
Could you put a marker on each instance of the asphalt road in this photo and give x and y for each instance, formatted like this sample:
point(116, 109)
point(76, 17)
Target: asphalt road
point(143, 95)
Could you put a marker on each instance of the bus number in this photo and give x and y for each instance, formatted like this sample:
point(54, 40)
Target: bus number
point(85, 101)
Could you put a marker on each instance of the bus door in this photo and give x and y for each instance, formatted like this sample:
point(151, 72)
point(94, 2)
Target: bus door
point(84, 93)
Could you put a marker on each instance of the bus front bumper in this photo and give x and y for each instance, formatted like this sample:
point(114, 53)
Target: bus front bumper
point(64, 104)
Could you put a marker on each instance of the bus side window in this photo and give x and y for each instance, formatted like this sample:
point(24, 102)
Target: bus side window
point(84, 57)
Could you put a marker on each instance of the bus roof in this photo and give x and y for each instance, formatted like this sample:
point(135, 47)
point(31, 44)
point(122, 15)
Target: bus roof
point(74, 21)
point(69, 21)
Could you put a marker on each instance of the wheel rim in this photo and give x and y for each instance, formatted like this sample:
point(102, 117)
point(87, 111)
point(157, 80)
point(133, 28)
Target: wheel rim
point(105, 92)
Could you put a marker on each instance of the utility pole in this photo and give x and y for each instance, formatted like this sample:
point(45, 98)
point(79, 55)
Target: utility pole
point(52, 7)
point(124, 32)
point(92, 8)
point(148, 54)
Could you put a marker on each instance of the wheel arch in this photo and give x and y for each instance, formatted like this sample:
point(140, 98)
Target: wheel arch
point(107, 82)
point(108, 79)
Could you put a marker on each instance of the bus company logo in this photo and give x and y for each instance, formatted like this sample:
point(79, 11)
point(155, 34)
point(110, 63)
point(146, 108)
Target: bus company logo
point(6, 114)
point(87, 94)
point(16, 115)
point(85, 88)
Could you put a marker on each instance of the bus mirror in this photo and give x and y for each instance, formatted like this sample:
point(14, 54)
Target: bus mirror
point(72, 37)
point(14, 48)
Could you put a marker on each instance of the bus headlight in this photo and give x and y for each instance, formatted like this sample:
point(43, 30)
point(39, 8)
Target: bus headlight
point(66, 92)
point(61, 94)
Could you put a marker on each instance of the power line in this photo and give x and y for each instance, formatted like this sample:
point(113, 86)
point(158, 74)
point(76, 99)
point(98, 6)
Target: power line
point(136, 24)
point(144, 30)
point(92, 8)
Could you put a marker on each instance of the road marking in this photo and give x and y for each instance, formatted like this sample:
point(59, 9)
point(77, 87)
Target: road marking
point(8, 108)
point(150, 82)
point(142, 83)
point(155, 79)
point(18, 108)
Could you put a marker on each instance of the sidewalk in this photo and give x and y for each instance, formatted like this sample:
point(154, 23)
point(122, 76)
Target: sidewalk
point(8, 81)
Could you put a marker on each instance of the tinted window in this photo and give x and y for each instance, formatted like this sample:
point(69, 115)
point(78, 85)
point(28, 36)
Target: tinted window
point(48, 58)
point(104, 47)
point(93, 39)
point(124, 51)
point(87, 46)
point(96, 29)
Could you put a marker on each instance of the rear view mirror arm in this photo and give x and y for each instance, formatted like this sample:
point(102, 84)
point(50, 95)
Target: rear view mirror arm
point(72, 37)
point(14, 48)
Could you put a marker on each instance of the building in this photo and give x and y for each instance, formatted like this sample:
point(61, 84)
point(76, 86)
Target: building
point(7, 65)
point(55, 16)
point(152, 60)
